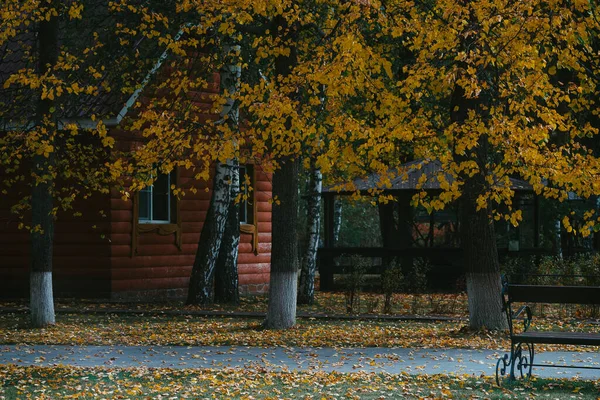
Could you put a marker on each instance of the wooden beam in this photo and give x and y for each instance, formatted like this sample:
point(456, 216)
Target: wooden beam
point(536, 221)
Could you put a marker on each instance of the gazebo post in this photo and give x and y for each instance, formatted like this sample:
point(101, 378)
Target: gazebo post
point(431, 227)
point(326, 263)
point(536, 221)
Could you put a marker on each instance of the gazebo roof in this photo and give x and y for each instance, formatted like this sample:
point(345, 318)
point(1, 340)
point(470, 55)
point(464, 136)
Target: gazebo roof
point(408, 177)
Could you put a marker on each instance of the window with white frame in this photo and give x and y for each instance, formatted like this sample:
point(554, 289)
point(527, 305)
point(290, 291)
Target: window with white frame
point(156, 201)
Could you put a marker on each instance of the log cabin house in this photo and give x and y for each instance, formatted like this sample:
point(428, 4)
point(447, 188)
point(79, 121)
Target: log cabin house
point(138, 249)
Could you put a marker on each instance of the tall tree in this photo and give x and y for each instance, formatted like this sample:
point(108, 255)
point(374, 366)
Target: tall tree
point(221, 225)
point(226, 273)
point(478, 239)
point(283, 282)
point(42, 200)
point(58, 66)
point(485, 104)
point(201, 288)
point(306, 289)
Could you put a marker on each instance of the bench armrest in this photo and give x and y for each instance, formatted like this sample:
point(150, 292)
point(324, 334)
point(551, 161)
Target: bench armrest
point(526, 319)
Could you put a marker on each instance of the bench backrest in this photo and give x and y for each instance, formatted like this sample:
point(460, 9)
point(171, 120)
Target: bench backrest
point(553, 294)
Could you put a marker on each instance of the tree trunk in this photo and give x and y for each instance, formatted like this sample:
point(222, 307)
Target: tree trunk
point(482, 268)
point(202, 279)
point(557, 239)
point(42, 234)
point(478, 239)
point(306, 294)
point(202, 285)
point(42, 199)
point(395, 220)
point(281, 312)
point(283, 284)
point(337, 218)
point(226, 275)
point(404, 227)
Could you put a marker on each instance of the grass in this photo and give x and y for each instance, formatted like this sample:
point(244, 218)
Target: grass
point(325, 303)
point(435, 304)
point(150, 327)
point(156, 329)
point(140, 383)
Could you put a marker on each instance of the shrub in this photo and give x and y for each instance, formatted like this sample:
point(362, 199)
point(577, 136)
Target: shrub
point(352, 282)
point(392, 281)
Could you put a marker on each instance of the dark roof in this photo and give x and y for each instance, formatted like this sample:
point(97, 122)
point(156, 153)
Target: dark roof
point(407, 177)
point(121, 68)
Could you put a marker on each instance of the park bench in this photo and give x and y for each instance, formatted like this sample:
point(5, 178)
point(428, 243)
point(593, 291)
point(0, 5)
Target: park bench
point(522, 350)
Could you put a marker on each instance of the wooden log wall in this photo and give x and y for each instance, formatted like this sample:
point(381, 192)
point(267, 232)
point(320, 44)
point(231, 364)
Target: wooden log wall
point(254, 266)
point(93, 254)
point(159, 268)
point(81, 251)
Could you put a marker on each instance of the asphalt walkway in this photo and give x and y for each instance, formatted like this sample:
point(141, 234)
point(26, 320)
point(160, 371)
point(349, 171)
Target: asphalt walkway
point(391, 360)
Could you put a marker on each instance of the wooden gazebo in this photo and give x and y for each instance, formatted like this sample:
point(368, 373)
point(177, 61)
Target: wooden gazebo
point(408, 233)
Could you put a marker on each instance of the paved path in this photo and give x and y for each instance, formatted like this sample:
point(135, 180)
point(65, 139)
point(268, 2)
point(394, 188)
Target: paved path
point(392, 360)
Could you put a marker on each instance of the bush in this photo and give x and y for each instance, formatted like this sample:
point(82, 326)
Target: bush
point(583, 269)
point(352, 282)
point(392, 281)
point(416, 281)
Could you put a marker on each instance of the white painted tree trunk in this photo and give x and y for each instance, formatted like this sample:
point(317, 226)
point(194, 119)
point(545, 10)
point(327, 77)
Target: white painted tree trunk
point(283, 284)
point(482, 267)
point(281, 312)
point(42, 299)
point(42, 242)
point(42, 197)
point(306, 291)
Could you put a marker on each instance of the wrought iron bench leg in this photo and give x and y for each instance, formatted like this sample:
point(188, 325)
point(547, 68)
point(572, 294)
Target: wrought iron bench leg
point(526, 364)
point(501, 365)
point(515, 357)
point(516, 360)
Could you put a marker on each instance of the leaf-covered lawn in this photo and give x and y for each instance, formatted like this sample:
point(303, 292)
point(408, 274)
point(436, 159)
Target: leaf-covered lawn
point(153, 329)
point(325, 303)
point(137, 383)
point(434, 304)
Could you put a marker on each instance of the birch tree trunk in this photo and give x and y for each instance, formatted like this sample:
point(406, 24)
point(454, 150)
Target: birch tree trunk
point(42, 199)
point(337, 218)
point(306, 291)
point(202, 279)
point(226, 275)
point(201, 288)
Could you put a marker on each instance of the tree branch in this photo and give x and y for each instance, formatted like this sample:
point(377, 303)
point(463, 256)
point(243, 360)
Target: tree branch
point(253, 29)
